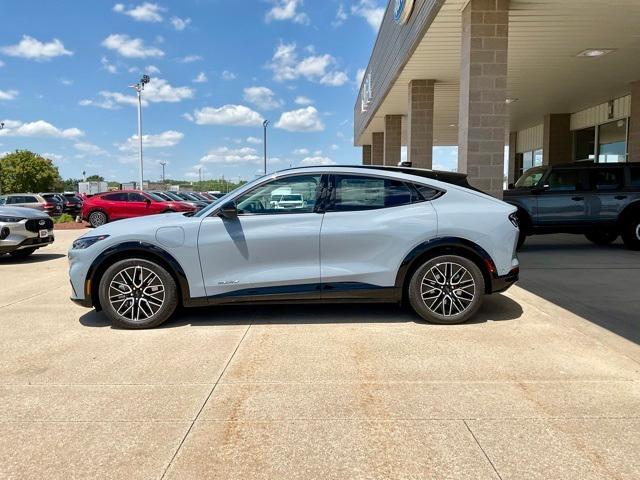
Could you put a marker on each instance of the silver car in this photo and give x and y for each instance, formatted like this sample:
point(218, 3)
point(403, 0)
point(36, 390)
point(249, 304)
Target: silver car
point(24, 230)
point(31, 200)
point(375, 234)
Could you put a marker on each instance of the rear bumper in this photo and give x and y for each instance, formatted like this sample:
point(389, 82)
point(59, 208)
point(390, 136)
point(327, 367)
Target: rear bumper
point(504, 282)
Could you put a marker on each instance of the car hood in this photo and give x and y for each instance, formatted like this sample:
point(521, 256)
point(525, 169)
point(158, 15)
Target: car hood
point(22, 212)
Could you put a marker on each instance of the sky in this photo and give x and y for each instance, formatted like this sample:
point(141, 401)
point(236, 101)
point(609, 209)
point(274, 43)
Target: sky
point(218, 69)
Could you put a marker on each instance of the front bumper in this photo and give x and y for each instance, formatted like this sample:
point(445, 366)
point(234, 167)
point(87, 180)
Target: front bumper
point(502, 283)
point(19, 238)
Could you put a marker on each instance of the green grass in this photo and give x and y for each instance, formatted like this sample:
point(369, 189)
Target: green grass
point(64, 218)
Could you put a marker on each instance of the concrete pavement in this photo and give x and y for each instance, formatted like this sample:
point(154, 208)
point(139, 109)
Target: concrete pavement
point(528, 390)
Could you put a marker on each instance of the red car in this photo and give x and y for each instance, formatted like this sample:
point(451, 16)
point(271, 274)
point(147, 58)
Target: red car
point(106, 207)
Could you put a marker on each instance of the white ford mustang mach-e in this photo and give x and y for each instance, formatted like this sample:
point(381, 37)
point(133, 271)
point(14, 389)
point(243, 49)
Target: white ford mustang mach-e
point(362, 234)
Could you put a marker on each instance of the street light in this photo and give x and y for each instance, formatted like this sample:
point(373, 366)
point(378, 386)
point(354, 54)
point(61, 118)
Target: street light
point(139, 88)
point(163, 165)
point(265, 124)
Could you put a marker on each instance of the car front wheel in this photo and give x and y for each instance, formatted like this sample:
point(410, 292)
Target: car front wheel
point(97, 219)
point(138, 294)
point(447, 289)
point(631, 233)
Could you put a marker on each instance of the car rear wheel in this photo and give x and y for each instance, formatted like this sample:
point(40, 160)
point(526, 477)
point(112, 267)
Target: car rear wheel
point(448, 289)
point(25, 252)
point(631, 232)
point(97, 219)
point(138, 294)
point(602, 237)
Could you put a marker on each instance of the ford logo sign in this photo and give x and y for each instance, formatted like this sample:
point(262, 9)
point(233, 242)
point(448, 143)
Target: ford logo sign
point(402, 11)
point(42, 223)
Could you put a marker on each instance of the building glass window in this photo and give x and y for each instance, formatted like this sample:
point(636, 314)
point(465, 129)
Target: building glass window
point(528, 160)
point(612, 142)
point(585, 144)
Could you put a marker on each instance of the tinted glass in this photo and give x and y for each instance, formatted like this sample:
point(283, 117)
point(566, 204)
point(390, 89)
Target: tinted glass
point(564, 180)
point(635, 176)
point(116, 197)
point(606, 179)
point(137, 197)
point(427, 193)
point(530, 178)
point(29, 199)
point(3, 200)
point(156, 196)
point(162, 195)
point(366, 193)
point(268, 198)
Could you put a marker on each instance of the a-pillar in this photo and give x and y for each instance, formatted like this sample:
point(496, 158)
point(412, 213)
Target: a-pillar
point(556, 144)
point(392, 139)
point(420, 124)
point(377, 148)
point(634, 124)
point(366, 154)
point(483, 93)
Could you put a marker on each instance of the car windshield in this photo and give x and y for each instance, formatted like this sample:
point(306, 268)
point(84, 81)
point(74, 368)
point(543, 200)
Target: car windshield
point(162, 195)
point(205, 211)
point(531, 177)
point(155, 197)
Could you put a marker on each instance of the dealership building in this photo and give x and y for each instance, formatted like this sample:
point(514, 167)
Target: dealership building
point(554, 80)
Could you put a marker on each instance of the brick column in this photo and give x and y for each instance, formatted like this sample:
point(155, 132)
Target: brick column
point(377, 149)
point(392, 139)
point(483, 93)
point(513, 149)
point(556, 145)
point(420, 124)
point(634, 125)
point(366, 154)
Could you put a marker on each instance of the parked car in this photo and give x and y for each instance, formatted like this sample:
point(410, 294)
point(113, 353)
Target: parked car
point(172, 197)
point(31, 200)
point(74, 203)
point(24, 230)
point(373, 234)
point(287, 201)
point(180, 197)
point(106, 207)
point(600, 201)
point(67, 206)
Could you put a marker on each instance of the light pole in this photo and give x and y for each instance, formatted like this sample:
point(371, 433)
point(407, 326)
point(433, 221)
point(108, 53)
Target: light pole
point(164, 164)
point(265, 124)
point(139, 88)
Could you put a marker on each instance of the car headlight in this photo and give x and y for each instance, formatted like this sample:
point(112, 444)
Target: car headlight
point(85, 242)
point(11, 219)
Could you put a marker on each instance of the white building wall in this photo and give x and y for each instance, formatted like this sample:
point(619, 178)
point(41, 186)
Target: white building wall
point(599, 114)
point(530, 139)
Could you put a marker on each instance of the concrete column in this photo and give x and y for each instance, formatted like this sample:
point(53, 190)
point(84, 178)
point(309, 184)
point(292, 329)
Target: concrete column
point(420, 124)
point(377, 149)
point(634, 125)
point(483, 92)
point(513, 166)
point(366, 154)
point(392, 139)
point(556, 146)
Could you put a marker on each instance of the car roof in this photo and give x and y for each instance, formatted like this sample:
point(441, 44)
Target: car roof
point(593, 164)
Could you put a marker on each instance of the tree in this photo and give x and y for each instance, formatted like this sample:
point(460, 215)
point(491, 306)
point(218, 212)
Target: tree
point(25, 171)
point(95, 178)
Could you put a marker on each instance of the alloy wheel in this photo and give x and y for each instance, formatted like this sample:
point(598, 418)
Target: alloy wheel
point(97, 219)
point(448, 289)
point(136, 293)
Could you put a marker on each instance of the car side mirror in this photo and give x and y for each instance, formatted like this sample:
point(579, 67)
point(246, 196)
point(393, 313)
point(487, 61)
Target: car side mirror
point(147, 201)
point(228, 211)
point(511, 186)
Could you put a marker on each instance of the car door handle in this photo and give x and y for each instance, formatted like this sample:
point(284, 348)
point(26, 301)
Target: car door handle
point(577, 199)
point(620, 197)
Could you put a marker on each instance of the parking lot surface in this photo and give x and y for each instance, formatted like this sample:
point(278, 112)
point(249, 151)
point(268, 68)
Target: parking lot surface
point(545, 383)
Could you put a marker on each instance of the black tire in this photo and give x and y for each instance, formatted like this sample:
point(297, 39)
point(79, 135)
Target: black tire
point(98, 218)
point(126, 308)
point(25, 252)
point(602, 237)
point(425, 302)
point(521, 239)
point(631, 232)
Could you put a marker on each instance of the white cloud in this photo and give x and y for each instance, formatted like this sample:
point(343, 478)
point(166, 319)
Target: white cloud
point(170, 138)
point(33, 49)
point(66, 82)
point(302, 120)
point(287, 10)
point(159, 90)
point(311, 161)
point(108, 66)
point(89, 148)
point(39, 128)
point(304, 101)
point(228, 76)
point(360, 76)
point(228, 156)
point(51, 156)
point(180, 23)
point(201, 78)
point(152, 69)
point(334, 147)
point(254, 140)
point(369, 10)
point(286, 65)
point(191, 58)
point(341, 16)
point(232, 115)
point(301, 151)
point(129, 47)
point(262, 97)
point(8, 94)
point(147, 12)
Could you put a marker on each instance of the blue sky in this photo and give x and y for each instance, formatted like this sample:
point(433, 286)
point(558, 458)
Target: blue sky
point(218, 69)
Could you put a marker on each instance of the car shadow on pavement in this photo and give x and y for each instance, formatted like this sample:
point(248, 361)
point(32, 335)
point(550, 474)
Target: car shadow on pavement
point(35, 258)
point(495, 308)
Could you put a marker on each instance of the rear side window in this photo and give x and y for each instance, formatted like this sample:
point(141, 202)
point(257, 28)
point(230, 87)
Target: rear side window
point(561, 180)
point(354, 193)
point(635, 176)
point(605, 179)
point(29, 199)
point(115, 197)
point(427, 193)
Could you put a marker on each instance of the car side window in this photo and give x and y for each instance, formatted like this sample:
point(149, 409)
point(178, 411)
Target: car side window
point(29, 199)
point(295, 194)
point(564, 180)
point(136, 197)
point(356, 192)
point(427, 193)
point(605, 179)
point(116, 197)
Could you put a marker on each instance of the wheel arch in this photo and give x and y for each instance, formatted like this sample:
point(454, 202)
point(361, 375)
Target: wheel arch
point(632, 208)
point(445, 246)
point(123, 251)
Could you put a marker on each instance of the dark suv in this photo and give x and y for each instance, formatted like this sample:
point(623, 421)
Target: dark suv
point(600, 201)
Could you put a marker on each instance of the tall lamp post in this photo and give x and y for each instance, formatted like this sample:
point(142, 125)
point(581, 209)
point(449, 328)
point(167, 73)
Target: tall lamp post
point(265, 124)
point(163, 165)
point(139, 88)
